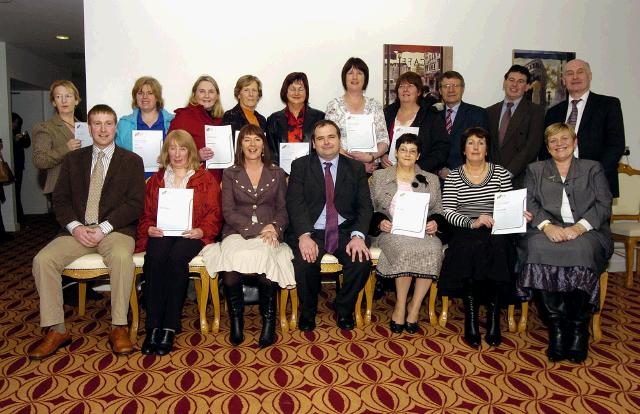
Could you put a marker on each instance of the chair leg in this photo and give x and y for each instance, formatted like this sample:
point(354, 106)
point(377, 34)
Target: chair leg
point(629, 245)
point(293, 322)
point(215, 298)
point(358, 309)
point(433, 294)
point(82, 297)
point(524, 316)
point(444, 314)
point(368, 292)
point(135, 307)
point(595, 321)
point(203, 295)
point(511, 319)
point(284, 298)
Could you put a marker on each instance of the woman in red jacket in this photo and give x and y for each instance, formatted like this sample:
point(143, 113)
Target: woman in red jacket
point(204, 108)
point(166, 264)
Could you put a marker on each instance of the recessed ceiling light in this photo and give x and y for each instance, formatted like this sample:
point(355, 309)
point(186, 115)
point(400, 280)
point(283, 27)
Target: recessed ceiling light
point(62, 37)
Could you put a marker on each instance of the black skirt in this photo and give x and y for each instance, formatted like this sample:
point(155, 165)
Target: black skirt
point(476, 254)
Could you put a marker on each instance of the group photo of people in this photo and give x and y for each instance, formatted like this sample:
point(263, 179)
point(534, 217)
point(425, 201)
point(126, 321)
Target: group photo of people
point(256, 223)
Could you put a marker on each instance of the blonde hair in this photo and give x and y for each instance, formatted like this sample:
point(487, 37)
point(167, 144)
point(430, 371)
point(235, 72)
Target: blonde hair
point(155, 86)
point(184, 139)
point(557, 128)
point(244, 81)
point(67, 84)
point(217, 110)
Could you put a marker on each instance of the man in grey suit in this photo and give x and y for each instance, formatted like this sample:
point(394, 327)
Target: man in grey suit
point(457, 116)
point(97, 200)
point(516, 126)
point(330, 209)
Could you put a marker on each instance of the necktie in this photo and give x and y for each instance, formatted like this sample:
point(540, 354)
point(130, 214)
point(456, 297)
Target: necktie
point(573, 116)
point(95, 189)
point(331, 225)
point(447, 122)
point(504, 123)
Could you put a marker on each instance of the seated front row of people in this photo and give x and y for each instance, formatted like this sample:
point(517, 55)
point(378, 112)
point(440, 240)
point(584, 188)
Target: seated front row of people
point(328, 207)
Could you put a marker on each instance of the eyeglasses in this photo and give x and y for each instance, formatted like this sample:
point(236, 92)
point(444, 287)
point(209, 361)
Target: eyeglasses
point(296, 90)
point(451, 86)
point(66, 96)
point(519, 82)
point(408, 151)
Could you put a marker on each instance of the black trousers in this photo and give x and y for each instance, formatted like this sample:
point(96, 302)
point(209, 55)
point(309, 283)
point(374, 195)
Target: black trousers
point(166, 273)
point(308, 277)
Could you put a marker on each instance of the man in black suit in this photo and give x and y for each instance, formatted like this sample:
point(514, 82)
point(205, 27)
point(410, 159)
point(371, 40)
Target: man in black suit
point(516, 126)
point(328, 217)
point(457, 117)
point(597, 120)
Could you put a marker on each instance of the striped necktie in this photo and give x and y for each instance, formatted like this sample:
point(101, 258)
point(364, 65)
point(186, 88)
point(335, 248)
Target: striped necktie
point(447, 122)
point(573, 116)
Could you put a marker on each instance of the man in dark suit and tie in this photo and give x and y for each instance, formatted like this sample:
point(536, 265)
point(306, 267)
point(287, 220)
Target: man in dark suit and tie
point(457, 116)
point(597, 120)
point(97, 201)
point(516, 126)
point(329, 208)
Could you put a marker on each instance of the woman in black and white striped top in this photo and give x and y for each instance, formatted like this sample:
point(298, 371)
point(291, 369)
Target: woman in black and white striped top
point(475, 258)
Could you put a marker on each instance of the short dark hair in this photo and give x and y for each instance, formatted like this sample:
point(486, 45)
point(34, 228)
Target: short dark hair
point(325, 122)
point(451, 74)
point(412, 78)
point(250, 129)
point(355, 62)
point(18, 119)
point(290, 79)
point(101, 109)
point(519, 69)
point(477, 132)
point(407, 139)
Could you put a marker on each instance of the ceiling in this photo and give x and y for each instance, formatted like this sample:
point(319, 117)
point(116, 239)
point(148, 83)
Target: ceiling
point(33, 24)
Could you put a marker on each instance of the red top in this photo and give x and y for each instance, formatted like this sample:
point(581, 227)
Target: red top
point(207, 209)
point(192, 119)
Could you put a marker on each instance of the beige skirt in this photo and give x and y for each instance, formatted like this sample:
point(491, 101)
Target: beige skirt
point(252, 256)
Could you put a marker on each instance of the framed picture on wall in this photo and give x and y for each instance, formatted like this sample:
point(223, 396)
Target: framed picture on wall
point(427, 61)
point(546, 69)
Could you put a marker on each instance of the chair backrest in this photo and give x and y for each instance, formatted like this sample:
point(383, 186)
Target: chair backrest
point(627, 206)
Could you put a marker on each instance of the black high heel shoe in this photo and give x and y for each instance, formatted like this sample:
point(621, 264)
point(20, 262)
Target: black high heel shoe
point(396, 327)
point(411, 327)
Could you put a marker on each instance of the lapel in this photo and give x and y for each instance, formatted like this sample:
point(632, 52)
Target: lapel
point(460, 118)
point(283, 126)
point(114, 166)
point(552, 181)
point(589, 108)
point(85, 176)
point(317, 171)
point(341, 175)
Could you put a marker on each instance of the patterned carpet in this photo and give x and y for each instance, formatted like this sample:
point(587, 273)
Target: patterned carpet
point(362, 371)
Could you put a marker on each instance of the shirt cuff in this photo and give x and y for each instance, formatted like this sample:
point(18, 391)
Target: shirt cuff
point(544, 223)
point(585, 224)
point(106, 227)
point(357, 233)
point(72, 226)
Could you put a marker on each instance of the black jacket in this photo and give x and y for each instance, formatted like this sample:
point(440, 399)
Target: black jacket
point(235, 117)
point(277, 129)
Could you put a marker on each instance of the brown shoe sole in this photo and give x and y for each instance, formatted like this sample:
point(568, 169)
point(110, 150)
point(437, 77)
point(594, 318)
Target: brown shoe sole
point(41, 357)
point(121, 353)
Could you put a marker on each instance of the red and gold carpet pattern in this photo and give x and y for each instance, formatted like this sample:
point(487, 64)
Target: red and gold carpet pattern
point(362, 371)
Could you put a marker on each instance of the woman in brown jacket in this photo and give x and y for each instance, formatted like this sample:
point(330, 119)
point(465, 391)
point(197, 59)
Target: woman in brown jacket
point(255, 217)
point(53, 139)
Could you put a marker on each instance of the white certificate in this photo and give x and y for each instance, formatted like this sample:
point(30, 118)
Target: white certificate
point(290, 151)
point(175, 207)
point(411, 212)
point(397, 133)
point(82, 133)
point(220, 140)
point(508, 212)
point(147, 144)
point(361, 133)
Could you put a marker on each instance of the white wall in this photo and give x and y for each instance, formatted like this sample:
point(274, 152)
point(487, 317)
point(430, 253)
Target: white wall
point(227, 39)
point(8, 208)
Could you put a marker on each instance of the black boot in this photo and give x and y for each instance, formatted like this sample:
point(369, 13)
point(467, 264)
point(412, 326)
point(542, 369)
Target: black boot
point(577, 329)
point(552, 304)
point(268, 291)
point(471, 326)
point(151, 342)
point(235, 304)
point(493, 336)
point(165, 342)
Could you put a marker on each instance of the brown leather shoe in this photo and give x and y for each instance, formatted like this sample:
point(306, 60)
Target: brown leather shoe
point(119, 340)
point(50, 344)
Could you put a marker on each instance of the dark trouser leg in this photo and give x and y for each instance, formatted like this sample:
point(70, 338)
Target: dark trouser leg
point(308, 281)
point(471, 325)
point(354, 277)
point(577, 328)
point(268, 290)
point(235, 303)
point(183, 251)
point(493, 336)
point(553, 305)
point(155, 280)
point(20, 211)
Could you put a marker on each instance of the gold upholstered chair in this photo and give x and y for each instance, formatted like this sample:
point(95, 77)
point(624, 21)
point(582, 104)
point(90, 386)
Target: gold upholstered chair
point(625, 218)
